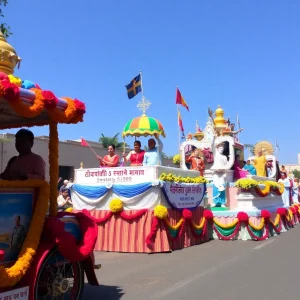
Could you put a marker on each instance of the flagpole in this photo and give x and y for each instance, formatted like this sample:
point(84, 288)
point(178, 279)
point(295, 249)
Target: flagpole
point(90, 147)
point(238, 124)
point(178, 128)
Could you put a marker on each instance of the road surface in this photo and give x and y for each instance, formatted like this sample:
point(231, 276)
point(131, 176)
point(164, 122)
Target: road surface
point(217, 270)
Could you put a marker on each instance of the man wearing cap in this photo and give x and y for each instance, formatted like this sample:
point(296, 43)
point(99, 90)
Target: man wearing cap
point(153, 155)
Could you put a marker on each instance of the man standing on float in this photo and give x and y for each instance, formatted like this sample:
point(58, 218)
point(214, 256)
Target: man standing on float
point(153, 155)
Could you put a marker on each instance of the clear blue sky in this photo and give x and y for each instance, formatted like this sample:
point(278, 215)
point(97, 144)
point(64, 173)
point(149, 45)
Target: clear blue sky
point(243, 55)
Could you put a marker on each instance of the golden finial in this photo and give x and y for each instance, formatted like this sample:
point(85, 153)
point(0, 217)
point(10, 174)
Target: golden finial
point(219, 120)
point(8, 56)
point(81, 165)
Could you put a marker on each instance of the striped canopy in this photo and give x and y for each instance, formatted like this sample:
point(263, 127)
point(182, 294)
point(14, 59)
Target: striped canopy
point(143, 126)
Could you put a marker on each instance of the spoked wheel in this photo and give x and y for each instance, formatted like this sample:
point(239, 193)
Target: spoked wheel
point(59, 279)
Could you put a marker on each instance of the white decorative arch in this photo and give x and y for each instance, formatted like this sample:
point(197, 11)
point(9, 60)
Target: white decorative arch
point(230, 140)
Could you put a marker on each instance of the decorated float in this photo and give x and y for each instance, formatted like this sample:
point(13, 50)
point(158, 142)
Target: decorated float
point(245, 198)
point(157, 208)
point(137, 208)
point(38, 263)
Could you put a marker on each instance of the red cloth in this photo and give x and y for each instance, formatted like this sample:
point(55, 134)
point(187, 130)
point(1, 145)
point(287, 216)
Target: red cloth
point(112, 160)
point(136, 159)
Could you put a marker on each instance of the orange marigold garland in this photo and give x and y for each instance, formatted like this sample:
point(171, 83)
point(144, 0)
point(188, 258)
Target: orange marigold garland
point(50, 99)
point(11, 276)
point(53, 163)
point(66, 116)
point(27, 111)
point(11, 92)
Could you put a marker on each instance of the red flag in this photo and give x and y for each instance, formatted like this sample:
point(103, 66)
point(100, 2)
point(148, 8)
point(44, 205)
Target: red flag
point(180, 122)
point(180, 100)
point(84, 143)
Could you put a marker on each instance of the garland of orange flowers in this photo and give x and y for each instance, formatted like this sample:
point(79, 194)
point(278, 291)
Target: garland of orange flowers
point(27, 111)
point(54, 169)
point(11, 276)
point(64, 116)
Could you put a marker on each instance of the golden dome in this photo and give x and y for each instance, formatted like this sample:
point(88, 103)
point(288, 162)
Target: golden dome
point(8, 56)
point(219, 120)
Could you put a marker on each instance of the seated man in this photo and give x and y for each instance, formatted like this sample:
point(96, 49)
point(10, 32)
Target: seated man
point(27, 165)
point(153, 155)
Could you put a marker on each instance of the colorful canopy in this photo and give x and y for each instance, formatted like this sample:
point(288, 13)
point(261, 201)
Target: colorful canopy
point(143, 126)
point(23, 103)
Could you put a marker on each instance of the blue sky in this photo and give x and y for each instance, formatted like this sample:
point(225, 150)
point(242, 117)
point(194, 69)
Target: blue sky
point(243, 55)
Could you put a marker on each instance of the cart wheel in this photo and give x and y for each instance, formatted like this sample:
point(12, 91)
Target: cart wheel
point(59, 279)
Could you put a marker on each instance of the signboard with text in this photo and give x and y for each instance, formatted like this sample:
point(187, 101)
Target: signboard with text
point(121, 175)
point(184, 195)
point(22, 293)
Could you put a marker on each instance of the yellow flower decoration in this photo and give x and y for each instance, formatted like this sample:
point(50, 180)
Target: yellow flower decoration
point(16, 80)
point(246, 183)
point(116, 205)
point(176, 159)
point(173, 178)
point(160, 212)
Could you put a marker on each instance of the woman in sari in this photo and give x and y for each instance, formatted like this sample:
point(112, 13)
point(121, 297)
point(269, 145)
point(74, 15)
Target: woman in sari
point(110, 160)
point(136, 156)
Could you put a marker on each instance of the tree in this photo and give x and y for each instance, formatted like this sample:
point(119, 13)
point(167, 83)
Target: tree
point(106, 140)
point(250, 147)
point(296, 173)
point(5, 29)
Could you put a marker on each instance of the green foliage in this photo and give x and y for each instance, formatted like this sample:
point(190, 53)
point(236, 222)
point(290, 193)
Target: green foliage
point(5, 29)
point(106, 140)
point(296, 173)
point(250, 147)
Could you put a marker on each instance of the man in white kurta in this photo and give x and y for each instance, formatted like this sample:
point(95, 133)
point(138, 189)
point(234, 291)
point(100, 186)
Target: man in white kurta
point(287, 189)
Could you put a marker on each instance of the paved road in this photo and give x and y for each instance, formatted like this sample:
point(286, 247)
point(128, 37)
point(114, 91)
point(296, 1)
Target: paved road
point(217, 270)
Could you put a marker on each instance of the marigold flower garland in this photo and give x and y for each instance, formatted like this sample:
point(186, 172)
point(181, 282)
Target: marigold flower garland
point(26, 111)
point(10, 91)
point(258, 232)
point(175, 231)
point(248, 184)
point(171, 177)
point(11, 276)
point(53, 164)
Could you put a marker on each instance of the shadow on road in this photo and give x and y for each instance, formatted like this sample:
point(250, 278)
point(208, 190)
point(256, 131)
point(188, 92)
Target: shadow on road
point(106, 292)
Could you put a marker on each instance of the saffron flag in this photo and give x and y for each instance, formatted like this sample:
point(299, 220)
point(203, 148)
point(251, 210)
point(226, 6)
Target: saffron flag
point(134, 87)
point(180, 100)
point(180, 122)
point(84, 143)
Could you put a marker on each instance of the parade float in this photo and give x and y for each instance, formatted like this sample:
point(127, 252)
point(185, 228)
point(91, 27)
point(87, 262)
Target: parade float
point(157, 208)
point(242, 204)
point(136, 207)
point(38, 263)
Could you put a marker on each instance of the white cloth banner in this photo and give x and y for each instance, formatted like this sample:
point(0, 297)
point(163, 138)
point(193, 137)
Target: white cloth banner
point(184, 195)
point(149, 199)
